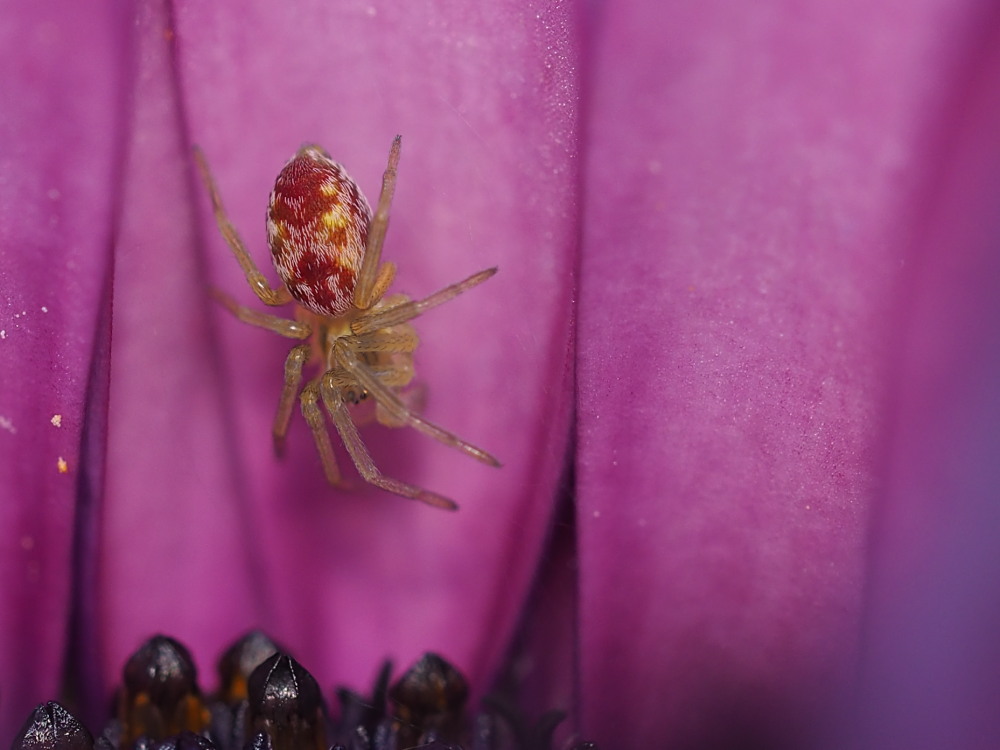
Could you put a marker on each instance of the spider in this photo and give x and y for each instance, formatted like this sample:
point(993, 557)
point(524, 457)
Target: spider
point(327, 248)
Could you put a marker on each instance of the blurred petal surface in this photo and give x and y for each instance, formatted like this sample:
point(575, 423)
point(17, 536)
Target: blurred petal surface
point(931, 664)
point(62, 71)
point(746, 169)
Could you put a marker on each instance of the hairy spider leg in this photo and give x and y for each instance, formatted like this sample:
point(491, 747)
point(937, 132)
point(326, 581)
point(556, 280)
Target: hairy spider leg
point(297, 357)
point(292, 329)
point(255, 278)
point(398, 374)
point(386, 275)
point(375, 277)
point(405, 311)
point(401, 340)
point(344, 357)
point(363, 461)
point(314, 417)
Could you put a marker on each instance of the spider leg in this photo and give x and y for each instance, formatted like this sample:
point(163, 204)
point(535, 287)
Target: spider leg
point(386, 274)
point(292, 329)
point(371, 273)
point(409, 310)
point(255, 278)
point(293, 379)
point(363, 460)
point(310, 410)
point(396, 375)
point(414, 399)
point(397, 409)
point(399, 339)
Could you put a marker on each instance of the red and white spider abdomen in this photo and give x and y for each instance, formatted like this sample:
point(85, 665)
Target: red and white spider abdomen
point(317, 226)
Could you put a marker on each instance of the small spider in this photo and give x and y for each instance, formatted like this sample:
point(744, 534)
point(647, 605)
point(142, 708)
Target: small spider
point(327, 248)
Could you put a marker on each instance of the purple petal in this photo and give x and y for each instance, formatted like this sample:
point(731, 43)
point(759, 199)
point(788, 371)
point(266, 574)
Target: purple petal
point(62, 67)
point(543, 663)
point(932, 666)
point(742, 244)
point(210, 532)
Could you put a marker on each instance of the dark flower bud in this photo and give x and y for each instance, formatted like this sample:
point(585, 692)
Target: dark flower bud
point(359, 716)
point(431, 686)
point(160, 695)
point(259, 741)
point(229, 708)
point(428, 700)
point(52, 727)
point(186, 741)
point(384, 737)
point(239, 662)
point(286, 703)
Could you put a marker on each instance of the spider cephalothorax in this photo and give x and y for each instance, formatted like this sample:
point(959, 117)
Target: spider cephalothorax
point(327, 248)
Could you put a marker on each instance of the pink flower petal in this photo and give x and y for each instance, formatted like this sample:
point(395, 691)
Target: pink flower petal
point(932, 662)
point(61, 73)
point(742, 245)
point(209, 532)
